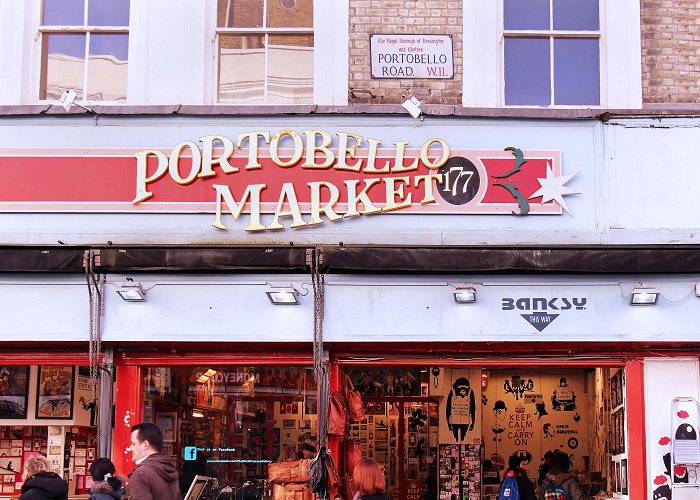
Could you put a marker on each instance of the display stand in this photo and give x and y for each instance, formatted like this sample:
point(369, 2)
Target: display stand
point(685, 445)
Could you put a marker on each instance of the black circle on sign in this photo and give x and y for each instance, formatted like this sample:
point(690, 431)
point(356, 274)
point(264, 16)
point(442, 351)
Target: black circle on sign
point(460, 181)
point(573, 443)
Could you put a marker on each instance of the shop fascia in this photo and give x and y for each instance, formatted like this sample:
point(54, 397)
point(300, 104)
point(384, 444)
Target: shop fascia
point(316, 152)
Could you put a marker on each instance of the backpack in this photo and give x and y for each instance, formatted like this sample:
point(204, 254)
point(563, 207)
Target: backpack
point(509, 488)
point(553, 492)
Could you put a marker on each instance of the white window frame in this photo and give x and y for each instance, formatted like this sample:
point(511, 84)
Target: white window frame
point(331, 54)
point(43, 30)
point(620, 55)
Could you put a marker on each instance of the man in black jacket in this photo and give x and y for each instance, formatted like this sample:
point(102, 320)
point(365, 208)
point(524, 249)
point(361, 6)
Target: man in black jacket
point(525, 486)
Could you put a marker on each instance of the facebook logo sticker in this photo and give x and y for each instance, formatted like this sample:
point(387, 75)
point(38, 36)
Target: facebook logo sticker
point(190, 452)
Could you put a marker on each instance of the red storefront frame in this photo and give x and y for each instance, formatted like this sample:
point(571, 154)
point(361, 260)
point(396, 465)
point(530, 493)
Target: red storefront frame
point(129, 393)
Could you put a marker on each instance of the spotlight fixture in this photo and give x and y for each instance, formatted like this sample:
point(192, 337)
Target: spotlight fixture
point(283, 294)
point(132, 291)
point(644, 295)
point(465, 293)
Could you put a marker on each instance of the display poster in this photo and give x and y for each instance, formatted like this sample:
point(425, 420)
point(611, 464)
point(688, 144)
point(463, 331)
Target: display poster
point(14, 382)
point(460, 407)
point(55, 392)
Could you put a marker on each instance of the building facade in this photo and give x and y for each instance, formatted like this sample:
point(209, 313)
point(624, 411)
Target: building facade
point(171, 168)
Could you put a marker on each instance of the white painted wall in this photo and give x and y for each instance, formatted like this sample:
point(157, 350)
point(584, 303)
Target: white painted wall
point(652, 178)
point(44, 309)
point(665, 379)
point(234, 308)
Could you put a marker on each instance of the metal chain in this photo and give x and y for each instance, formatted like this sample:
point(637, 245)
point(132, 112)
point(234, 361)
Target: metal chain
point(95, 284)
point(321, 369)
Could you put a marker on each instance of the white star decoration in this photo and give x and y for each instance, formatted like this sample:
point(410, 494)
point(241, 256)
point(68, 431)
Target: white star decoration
point(553, 188)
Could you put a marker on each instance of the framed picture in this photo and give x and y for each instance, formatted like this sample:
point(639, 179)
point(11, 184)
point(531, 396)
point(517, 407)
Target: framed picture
point(14, 382)
point(621, 430)
point(55, 392)
point(613, 391)
point(166, 422)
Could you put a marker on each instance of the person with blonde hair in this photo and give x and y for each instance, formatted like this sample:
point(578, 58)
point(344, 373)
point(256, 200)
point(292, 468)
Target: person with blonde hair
point(370, 481)
point(289, 454)
point(40, 483)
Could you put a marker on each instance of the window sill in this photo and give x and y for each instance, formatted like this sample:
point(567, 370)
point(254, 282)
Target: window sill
point(363, 109)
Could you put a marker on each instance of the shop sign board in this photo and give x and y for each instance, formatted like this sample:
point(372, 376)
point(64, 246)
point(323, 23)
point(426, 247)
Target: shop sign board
point(305, 185)
point(540, 312)
point(411, 56)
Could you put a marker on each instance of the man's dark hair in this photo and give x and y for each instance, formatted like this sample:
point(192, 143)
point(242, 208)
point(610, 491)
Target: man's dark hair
point(514, 461)
point(560, 463)
point(147, 431)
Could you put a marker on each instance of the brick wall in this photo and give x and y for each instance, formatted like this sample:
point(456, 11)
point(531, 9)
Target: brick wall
point(670, 51)
point(410, 17)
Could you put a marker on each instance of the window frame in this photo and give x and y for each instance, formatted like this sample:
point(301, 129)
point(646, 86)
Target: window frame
point(264, 31)
point(620, 56)
point(551, 35)
point(49, 29)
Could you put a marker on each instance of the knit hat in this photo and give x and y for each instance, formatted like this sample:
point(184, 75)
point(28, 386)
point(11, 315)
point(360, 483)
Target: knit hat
point(309, 445)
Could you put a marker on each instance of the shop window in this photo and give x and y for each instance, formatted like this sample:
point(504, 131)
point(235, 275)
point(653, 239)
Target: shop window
point(84, 48)
point(265, 51)
point(551, 52)
point(452, 431)
point(230, 422)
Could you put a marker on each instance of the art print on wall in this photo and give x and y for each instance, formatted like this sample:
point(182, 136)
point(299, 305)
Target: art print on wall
point(167, 423)
point(386, 381)
point(55, 392)
point(460, 421)
point(14, 382)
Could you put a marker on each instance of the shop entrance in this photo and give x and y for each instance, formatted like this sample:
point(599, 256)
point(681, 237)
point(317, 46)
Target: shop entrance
point(401, 434)
point(451, 432)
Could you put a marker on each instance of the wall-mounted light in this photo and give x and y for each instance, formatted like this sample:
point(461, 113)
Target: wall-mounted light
point(197, 414)
point(697, 289)
point(132, 291)
point(464, 293)
point(283, 294)
point(644, 295)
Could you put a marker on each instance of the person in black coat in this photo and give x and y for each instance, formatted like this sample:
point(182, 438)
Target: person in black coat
point(105, 486)
point(525, 486)
point(40, 483)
